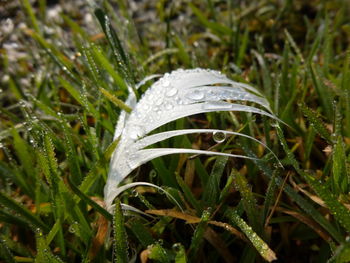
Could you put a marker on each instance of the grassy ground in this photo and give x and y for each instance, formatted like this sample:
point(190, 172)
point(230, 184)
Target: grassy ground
point(64, 64)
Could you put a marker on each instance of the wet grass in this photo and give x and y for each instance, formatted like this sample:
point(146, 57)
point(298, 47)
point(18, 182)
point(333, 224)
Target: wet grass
point(60, 102)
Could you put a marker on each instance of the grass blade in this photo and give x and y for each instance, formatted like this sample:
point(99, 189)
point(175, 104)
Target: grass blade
point(257, 242)
point(120, 237)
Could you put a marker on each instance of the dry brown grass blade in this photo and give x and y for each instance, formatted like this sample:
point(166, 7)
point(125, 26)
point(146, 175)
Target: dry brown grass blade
point(176, 214)
point(308, 221)
point(193, 220)
point(277, 200)
point(100, 237)
point(314, 198)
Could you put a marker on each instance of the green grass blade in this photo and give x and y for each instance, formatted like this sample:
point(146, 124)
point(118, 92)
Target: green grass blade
point(297, 198)
point(270, 194)
point(180, 256)
point(89, 201)
point(106, 65)
point(316, 122)
point(16, 207)
point(120, 237)
point(71, 153)
point(339, 211)
point(188, 194)
point(141, 232)
point(57, 57)
point(340, 177)
point(90, 178)
point(197, 237)
point(79, 95)
point(212, 188)
point(119, 53)
point(248, 199)
point(30, 12)
point(323, 92)
point(43, 251)
point(5, 252)
point(217, 28)
point(119, 103)
point(345, 87)
point(158, 253)
point(257, 242)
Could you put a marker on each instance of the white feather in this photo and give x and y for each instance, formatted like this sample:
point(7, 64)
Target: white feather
point(178, 94)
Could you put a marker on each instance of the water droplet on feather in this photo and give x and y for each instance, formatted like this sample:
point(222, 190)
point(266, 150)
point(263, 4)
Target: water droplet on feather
point(219, 136)
point(196, 95)
point(171, 92)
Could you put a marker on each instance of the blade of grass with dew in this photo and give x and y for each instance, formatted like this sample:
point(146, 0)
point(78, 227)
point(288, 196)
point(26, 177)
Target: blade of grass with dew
point(198, 234)
point(16, 247)
point(257, 242)
point(90, 178)
point(71, 153)
point(49, 167)
point(316, 122)
point(345, 87)
point(22, 149)
point(89, 201)
point(121, 57)
point(188, 194)
point(44, 253)
point(248, 199)
point(309, 142)
point(119, 103)
point(12, 170)
point(180, 256)
point(158, 253)
point(22, 211)
point(14, 219)
point(106, 65)
point(120, 237)
point(5, 252)
point(339, 211)
point(30, 12)
point(141, 232)
point(212, 188)
point(302, 202)
point(57, 57)
point(225, 191)
point(80, 96)
point(270, 195)
point(339, 173)
point(325, 95)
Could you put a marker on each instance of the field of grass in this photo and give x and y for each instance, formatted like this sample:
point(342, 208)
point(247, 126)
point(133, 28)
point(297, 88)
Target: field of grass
point(65, 69)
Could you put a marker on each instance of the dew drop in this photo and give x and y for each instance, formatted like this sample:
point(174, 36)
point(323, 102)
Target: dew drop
point(159, 101)
point(153, 174)
point(135, 193)
point(176, 247)
point(166, 83)
point(136, 132)
point(171, 92)
point(196, 95)
point(71, 229)
point(219, 136)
